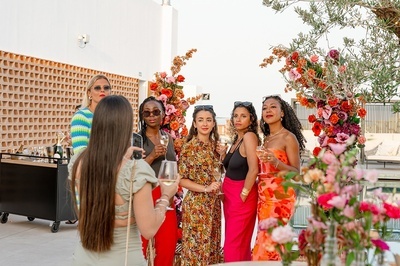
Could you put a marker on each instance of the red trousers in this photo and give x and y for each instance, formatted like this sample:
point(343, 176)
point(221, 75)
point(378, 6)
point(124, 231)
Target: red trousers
point(165, 238)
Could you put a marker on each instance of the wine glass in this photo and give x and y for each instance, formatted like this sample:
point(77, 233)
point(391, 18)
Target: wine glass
point(164, 139)
point(260, 150)
point(218, 172)
point(168, 174)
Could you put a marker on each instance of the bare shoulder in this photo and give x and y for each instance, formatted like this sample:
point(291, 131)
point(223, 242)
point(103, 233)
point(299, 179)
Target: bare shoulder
point(290, 138)
point(250, 137)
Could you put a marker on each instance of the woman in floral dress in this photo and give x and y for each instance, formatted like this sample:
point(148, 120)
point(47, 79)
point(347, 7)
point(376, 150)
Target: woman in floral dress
point(283, 141)
point(201, 208)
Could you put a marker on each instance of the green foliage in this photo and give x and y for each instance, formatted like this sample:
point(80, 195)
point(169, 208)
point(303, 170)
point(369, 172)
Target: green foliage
point(373, 61)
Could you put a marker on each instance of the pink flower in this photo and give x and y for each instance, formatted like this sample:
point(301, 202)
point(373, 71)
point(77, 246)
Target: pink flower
point(337, 148)
point(171, 79)
point(163, 98)
point(361, 139)
point(163, 75)
point(334, 54)
point(342, 69)
point(294, 74)
point(379, 243)
point(313, 175)
point(338, 202)
point(342, 137)
point(327, 111)
point(283, 234)
point(371, 176)
point(329, 158)
point(170, 109)
point(348, 211)
point(314, 58)
point(324, 198)
point(391, 210)
point(378, 193)
point(268, 223)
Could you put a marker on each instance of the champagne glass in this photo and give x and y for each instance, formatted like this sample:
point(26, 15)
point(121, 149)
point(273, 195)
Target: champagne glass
point(260, 152)
point(218, 172)
point(168, 174)
point(164, 139)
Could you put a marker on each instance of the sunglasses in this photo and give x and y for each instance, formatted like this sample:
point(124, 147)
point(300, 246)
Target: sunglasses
point(246, 104)
point(155, 112)
point(105, 88)
point(276, 96)
point(204, 107)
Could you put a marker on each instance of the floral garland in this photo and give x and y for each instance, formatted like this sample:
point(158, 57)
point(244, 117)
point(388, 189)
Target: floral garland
point(167, 88)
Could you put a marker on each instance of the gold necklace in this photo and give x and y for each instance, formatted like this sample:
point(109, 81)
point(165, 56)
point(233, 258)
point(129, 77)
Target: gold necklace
point(273, 135)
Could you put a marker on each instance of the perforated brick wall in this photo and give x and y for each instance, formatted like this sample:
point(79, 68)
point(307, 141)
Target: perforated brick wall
point(38, 98)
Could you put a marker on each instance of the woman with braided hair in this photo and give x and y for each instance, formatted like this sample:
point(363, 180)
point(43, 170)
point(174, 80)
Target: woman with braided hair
point(283, 142)
point(151, 118)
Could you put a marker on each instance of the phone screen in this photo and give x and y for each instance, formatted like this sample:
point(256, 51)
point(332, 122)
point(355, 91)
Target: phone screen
point(137, 141)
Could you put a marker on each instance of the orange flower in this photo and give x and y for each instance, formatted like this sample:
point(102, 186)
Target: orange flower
point(346, 106)
point(180, 78)
point(179, 93)
point(322, 85)
point(184, 131)
point(330, 131)
point(304, 101)
point(174, 125)
point(362, 112)
point(334, 119)
point(311, 73)
point(317, 128)
point(333, 102)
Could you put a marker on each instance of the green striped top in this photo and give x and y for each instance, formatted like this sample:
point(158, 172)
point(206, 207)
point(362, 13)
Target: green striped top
point(81, 124)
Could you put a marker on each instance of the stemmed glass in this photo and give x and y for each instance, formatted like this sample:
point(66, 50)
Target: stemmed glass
point(164, 139)
point(260, 150)
point(218, 173)
point(168, 174)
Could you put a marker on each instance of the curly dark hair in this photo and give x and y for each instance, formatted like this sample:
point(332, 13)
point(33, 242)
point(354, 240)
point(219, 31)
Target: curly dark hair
point(142, 123)
point(253, 127)
point(290, 121)
point(214, 135)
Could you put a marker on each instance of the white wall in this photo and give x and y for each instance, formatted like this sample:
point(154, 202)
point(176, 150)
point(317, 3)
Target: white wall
point(126, 36)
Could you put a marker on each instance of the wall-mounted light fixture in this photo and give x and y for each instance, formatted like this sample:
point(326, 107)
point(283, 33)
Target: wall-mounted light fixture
point(83, 39)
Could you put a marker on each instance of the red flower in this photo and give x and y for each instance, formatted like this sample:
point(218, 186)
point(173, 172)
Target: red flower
point(295, 56)
point(324, 198)
point(304, 101)
point(167, 92)
point(322, 85)
point(333, 102)
point(334, 119)
point(180, 78)
point(302, 240)
point(392, 211)
point(316, 151)
point(361, 112)
point(332, 140)
point(153, 86)
point(312, 118)
point(346, 106)
point(317, 128)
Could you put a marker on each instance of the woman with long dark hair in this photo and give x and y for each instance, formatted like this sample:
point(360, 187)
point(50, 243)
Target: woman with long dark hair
point(151, 117)
point(240, 191)
point(101, 183)
point(283, 141)
point(201, 208)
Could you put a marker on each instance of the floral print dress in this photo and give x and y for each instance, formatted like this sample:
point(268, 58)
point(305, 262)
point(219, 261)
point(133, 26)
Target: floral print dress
point(201, 212)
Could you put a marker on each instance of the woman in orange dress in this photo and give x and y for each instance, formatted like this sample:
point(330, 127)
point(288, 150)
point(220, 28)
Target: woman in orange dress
point(283, 142)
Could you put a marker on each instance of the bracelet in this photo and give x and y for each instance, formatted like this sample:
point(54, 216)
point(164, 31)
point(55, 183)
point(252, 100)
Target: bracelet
point(165, 195)
point(205, 189)
point(245, 192)
point(277, 163)
point(160, 200)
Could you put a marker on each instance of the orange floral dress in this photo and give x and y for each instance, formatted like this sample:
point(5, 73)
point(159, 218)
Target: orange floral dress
point(273, 201)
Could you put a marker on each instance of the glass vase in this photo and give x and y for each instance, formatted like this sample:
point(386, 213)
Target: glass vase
point(313, 257)
point(331, 257)
point(359, 257)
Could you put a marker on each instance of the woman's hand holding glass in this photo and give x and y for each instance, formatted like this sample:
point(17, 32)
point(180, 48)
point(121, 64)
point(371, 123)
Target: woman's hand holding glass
point(164, 139)
point(169, 179)
point(159, 150)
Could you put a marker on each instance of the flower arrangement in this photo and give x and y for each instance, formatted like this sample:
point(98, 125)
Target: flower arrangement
point(327, 87)
point(283, 237)
point(334, 185)
point(167, 88)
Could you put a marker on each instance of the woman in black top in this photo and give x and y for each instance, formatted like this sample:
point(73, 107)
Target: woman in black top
point(240, 191)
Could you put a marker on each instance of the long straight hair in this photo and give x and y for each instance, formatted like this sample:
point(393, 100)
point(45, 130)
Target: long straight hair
point(99, 165)
point(214, 135)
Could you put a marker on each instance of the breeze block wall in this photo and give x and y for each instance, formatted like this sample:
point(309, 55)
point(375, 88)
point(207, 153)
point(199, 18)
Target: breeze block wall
point(38, 98)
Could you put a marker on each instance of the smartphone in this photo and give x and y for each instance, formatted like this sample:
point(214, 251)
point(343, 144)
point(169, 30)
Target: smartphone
point(137, 141)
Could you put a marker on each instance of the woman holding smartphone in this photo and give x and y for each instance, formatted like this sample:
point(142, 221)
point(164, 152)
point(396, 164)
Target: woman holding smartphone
point(151, 117)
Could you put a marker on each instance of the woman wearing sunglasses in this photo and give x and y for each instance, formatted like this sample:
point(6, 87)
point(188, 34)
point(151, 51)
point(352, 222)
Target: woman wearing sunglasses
point(239, 187)
point(283, 142)
point(201, 208)
point(97, 88)
point(151, 117)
